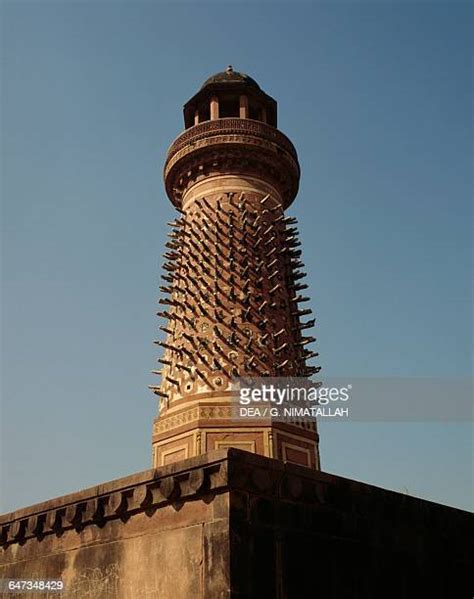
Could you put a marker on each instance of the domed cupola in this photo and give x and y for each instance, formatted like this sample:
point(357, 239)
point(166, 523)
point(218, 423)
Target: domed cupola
point(230, 94)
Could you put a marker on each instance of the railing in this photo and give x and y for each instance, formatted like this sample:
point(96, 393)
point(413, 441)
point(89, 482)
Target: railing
point(231, 126)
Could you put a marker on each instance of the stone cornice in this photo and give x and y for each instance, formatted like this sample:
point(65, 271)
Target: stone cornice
point(217, 471)
point(232, 145)
point(121, 498)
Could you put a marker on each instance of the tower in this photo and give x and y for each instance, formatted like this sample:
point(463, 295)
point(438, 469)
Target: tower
point(228, 523)
point(233, 281)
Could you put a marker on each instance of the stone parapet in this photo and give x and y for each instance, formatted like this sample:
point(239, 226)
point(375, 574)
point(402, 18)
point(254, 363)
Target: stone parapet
point(231, 145)
point(235, 525)
point(119, 499)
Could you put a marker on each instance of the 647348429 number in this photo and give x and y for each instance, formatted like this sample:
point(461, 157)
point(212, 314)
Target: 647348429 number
point(13, 585)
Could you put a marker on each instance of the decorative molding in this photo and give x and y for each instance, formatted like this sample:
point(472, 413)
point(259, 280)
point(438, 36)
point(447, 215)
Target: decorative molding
point(197, 413)
point(235, 126)
point(116, 500)
point(231, 145)
point(217, 472)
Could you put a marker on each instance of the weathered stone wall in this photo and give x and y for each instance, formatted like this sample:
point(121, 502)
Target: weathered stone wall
point(300, 534)
point(160, 534)
point(235, 525)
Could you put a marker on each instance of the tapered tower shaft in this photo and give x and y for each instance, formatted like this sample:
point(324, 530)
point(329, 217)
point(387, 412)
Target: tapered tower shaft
point(233, 292)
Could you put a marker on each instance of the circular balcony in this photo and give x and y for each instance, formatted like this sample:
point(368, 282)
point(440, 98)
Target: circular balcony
point(250, 140)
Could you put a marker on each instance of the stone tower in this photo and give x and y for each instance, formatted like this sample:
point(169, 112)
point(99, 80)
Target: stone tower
point(233, 280)
point(228, 523)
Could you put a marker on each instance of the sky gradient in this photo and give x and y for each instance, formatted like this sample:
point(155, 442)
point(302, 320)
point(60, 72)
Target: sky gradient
point(377, 100)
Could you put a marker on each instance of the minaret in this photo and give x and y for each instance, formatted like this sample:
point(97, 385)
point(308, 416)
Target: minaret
point(233, 284)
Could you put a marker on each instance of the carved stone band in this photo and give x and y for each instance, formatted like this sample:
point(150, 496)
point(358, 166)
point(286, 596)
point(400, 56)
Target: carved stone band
point(227, 145)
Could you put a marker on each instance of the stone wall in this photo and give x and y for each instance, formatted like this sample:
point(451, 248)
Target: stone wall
point(300, 534)
point(160, 533)
point(231, 524)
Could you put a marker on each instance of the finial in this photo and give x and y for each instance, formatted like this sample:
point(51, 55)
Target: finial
point(229, 69)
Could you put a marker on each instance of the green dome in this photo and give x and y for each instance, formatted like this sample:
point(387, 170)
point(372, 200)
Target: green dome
point(231, 76)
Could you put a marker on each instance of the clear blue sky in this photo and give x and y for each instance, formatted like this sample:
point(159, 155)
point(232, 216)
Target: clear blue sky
point(377, 99)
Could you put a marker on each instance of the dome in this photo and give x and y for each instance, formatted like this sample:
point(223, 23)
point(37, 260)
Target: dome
point(230, 94)
point(231, 76)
